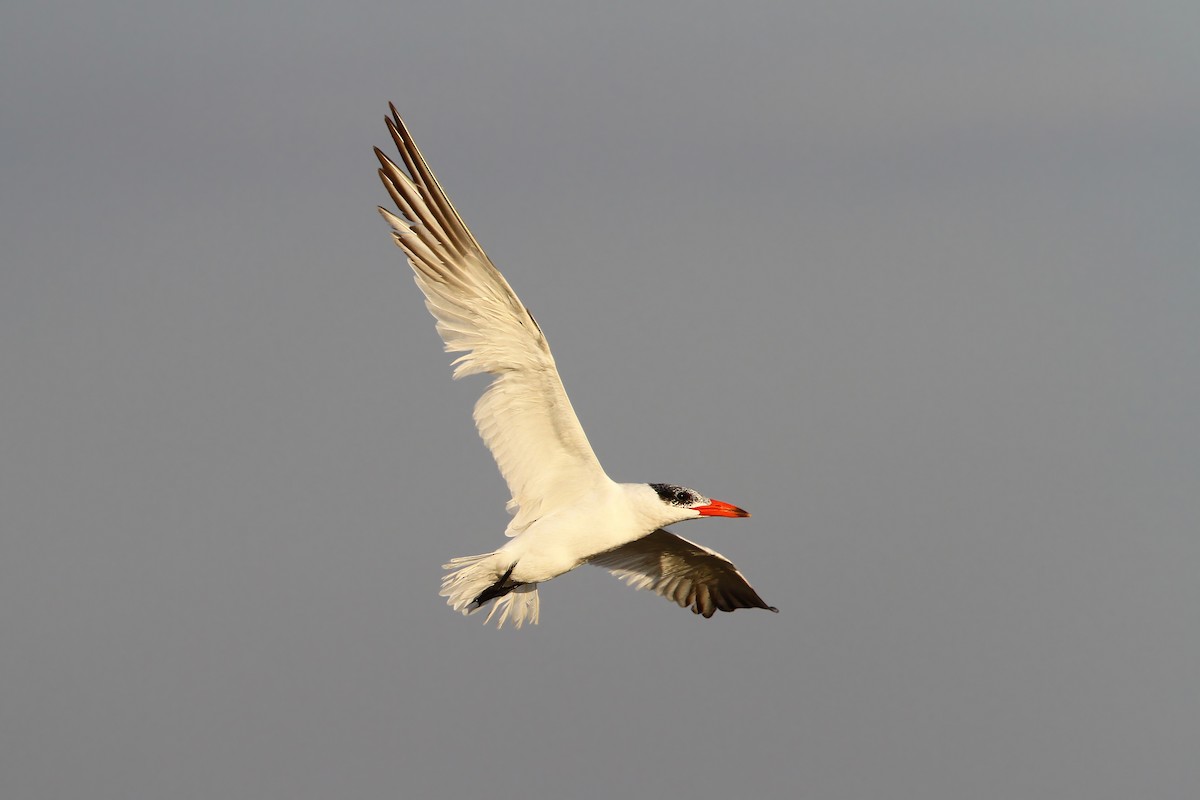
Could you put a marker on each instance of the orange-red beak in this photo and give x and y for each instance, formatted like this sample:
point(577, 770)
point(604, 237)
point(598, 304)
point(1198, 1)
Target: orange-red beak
point(716, 508)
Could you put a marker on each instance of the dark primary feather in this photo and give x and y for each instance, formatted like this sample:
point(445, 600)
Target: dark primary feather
point(683, 571)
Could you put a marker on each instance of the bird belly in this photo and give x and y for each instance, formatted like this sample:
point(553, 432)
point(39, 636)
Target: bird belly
point(559, 543)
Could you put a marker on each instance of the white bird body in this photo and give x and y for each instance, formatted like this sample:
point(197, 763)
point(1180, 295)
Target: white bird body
point(604, 519)
point(567, 511)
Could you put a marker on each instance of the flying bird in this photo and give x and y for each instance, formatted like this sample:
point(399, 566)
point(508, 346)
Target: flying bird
point(566, 510)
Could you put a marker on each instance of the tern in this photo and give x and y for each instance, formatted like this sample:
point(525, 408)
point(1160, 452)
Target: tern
point(566, 510)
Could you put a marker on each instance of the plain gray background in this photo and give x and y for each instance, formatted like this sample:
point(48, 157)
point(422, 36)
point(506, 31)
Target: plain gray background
point(916, 283)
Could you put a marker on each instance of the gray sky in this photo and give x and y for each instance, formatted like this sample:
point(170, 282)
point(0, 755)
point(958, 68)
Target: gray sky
point(914, 283)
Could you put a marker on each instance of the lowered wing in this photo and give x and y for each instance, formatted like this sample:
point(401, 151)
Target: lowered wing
point(683, 571)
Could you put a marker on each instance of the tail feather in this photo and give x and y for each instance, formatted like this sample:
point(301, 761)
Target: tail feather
point(472, 576)
point(520, 605)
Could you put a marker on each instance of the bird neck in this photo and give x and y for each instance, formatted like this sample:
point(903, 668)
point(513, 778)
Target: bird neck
point(649, 510)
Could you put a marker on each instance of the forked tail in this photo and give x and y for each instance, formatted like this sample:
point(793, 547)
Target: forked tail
point(474, 581)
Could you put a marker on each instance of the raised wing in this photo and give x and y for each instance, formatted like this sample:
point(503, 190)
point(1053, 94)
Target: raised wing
point(682, 571)
point(524, 416)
